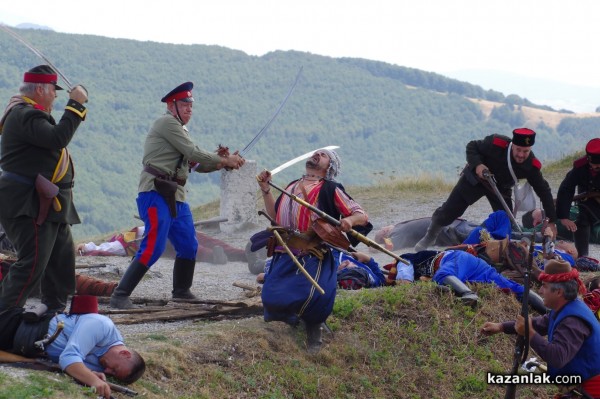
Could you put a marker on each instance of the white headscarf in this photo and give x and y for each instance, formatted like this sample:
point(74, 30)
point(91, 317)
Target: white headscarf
point(335, 164)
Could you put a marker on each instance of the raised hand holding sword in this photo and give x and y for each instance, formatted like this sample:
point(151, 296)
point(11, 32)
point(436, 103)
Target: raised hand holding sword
point(76, 92)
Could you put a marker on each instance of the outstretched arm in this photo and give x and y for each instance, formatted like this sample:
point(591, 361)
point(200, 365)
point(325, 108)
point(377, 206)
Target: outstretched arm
point(87, 377)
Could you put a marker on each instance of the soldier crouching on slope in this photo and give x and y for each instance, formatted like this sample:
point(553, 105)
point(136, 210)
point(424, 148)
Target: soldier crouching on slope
point(493, 154)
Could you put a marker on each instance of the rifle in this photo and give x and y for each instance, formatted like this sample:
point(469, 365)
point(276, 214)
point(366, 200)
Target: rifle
point(522, 341)
point(489, 178)
point(368, 242)
point(546, 243)
point(584, 196)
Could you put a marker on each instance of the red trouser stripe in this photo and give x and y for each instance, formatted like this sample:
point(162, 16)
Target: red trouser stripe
point(151, 238)
point(35, 260)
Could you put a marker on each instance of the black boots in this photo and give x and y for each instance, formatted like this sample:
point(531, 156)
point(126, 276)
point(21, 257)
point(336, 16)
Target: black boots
point(429, 239)
point(120, 296)
point(183, 275)
point(313, 337)
point(582, 240)
point(466, 296)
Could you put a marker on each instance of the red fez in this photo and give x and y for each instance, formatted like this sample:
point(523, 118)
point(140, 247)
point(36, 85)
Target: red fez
point(183, 92)
point(592, 149)
point(523, 137)
point(42, 74)
point(82, 304)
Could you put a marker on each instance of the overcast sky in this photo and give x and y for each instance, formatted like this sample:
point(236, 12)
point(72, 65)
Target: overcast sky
point(549, 39)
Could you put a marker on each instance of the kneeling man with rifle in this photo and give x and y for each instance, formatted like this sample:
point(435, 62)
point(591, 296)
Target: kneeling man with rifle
point(287, 295)
point(573, 344)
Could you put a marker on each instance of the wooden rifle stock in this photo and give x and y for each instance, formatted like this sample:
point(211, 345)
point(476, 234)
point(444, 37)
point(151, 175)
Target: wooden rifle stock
point(522, 341)
point(584, 196)
point(368, 242)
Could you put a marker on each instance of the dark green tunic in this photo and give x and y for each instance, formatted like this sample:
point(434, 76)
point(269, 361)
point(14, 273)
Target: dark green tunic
point(31, 144)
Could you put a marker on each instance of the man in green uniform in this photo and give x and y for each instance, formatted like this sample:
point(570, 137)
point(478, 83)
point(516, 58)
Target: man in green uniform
point(169, 157)
point(36, 202)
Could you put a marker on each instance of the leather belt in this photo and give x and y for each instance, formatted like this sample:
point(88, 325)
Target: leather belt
point(30, 181)
point(437, 260)
point(165, 176)
point(18, 178)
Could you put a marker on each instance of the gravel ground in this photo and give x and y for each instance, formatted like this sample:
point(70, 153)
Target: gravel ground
point(214, 281)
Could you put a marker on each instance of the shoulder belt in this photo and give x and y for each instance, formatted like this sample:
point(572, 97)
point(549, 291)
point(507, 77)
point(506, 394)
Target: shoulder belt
point(59, 172)
point(581, 162)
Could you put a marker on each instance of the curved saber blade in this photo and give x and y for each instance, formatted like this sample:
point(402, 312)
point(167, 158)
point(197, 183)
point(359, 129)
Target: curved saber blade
point(264, 129)
point(36, 52)
point(300, 158)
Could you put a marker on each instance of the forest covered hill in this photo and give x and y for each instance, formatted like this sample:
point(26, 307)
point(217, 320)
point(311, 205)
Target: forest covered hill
point(390, 121)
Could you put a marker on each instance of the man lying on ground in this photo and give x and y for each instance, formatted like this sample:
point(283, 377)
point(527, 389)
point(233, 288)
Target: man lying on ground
point(89, 348)
point(454, 268)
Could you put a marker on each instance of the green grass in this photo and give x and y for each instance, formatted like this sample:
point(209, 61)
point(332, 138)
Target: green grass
point(408, 341)
point(42, 385)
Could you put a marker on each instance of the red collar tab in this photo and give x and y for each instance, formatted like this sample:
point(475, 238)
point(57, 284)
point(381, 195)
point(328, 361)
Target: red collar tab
point(40, 78)
point(578, 163)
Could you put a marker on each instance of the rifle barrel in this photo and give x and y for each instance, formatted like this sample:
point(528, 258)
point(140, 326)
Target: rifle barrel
point(336, 222)
point(522, 343)
point(490, 180)
point(121, 389)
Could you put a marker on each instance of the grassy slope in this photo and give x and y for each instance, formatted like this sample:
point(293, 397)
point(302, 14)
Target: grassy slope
point(410, 341)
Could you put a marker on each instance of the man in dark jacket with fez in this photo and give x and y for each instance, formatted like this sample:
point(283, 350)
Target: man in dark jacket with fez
point(36, 202)
point(585, 177)
point(492, 153)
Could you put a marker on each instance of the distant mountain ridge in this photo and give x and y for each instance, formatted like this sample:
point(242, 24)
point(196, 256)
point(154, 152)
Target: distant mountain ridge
point(542, 91)
point(27, 25)
point(390, 121)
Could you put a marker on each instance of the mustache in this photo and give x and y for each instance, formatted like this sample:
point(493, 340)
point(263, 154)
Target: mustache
point(312, 163)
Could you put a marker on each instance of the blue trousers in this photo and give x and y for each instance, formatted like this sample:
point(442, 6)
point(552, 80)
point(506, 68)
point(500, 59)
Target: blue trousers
point(469, 268)
point(160, 226)
point(287, 294)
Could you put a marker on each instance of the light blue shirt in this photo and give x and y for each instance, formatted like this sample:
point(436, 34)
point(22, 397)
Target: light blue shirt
point(84, 339)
